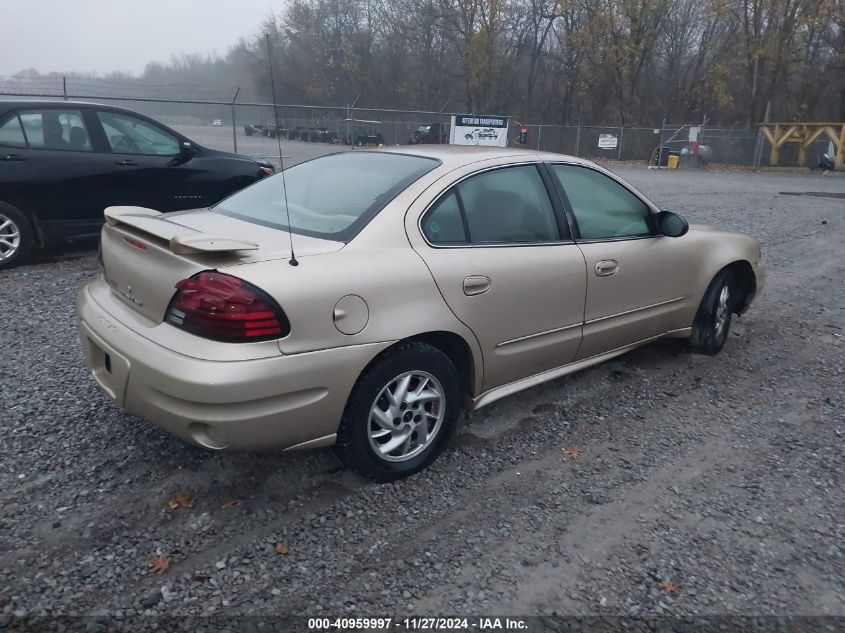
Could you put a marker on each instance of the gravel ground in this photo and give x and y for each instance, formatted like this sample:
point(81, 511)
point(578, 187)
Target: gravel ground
point(704, 485)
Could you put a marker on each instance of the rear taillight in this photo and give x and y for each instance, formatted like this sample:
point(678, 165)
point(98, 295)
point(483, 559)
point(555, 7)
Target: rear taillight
point(225, 308)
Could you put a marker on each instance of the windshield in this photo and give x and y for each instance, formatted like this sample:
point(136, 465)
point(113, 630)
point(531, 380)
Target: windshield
point(332, 197)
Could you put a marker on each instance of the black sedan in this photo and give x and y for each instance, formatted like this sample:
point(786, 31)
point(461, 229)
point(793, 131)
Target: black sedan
point(62, 163)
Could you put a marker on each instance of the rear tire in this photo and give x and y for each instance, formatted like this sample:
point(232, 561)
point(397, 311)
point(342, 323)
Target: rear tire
point(16, 236)
point(713, 319)
point(401, 413)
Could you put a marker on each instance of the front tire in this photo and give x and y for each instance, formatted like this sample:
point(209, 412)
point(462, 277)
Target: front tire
point(713, 319)
point(401, 412)
point(16, 236)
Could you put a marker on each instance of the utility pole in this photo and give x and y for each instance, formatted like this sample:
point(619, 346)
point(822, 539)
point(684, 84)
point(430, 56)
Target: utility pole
point(578, 133)
point(621, 134)
point(350, 123)
point(442, 117)
point(758, 145)
point(234, 123)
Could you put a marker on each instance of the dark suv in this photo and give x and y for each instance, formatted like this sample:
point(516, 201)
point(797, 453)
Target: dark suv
point(429, 133)
point(62, 163)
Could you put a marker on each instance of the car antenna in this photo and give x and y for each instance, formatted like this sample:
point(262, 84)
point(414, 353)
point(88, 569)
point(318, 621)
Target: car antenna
point(292, 261)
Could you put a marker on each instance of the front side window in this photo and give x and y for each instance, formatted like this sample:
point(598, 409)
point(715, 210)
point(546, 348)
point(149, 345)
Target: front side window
point(11, 132)
point(55, 129)
point(128, 135)
point(602, 207)
point(331, 197)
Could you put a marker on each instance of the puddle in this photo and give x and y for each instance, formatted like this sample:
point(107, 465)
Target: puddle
point(815, 194)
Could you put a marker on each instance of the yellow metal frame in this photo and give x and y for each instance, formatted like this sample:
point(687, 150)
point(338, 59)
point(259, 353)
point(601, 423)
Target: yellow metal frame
point(804, 133)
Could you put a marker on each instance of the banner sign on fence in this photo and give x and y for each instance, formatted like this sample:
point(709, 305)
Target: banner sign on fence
point(608, 141)
point(478, 129)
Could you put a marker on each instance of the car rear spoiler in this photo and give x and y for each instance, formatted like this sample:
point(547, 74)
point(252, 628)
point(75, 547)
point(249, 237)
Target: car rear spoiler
point(181, 240)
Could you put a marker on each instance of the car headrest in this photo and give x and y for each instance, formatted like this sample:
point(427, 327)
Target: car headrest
point(78, 137)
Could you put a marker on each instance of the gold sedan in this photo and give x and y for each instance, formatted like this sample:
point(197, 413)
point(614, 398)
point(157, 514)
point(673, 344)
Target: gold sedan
point(363, 298)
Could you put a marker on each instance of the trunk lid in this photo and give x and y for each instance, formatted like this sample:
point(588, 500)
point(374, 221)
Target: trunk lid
point(145, 252)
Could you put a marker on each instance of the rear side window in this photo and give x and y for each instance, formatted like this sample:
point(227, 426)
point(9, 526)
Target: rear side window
point(11, 132)
point(443, 224)
point(501, 206)
point(602, 207)
point(56, 129)
point(508, 205)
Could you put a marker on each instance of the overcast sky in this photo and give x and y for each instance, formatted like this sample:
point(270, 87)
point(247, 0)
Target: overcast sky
point(118, 35)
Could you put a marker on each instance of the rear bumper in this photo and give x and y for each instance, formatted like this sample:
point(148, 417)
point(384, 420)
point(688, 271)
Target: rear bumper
point(260, 404)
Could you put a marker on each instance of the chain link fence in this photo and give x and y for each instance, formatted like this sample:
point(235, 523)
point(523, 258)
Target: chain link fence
point(227, 119)
point(224, 118)
point(725, 145)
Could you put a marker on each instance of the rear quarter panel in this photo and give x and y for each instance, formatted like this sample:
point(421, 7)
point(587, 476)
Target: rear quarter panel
point(401, 297)
point(377, 265)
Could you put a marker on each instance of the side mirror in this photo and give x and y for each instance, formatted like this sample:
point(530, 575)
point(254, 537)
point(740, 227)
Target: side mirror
point(186, 152)
point(671, 224)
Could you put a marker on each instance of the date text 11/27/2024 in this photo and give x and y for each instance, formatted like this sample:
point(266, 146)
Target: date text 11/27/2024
point(418, 623)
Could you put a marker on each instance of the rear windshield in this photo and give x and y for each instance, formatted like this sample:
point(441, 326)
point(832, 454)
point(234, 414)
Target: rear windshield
point(332, 197)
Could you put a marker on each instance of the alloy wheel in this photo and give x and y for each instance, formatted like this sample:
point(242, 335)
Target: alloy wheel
point(406, 416)
point(722, 310)
point(10, 237)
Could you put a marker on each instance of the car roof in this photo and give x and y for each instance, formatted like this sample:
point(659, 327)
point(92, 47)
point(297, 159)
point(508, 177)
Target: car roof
point(453, 156)
point(14, 104)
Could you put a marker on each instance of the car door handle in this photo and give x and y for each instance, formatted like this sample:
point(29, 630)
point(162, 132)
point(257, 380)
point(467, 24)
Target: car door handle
point(126, 163)
point(14, 157)
point(606, 267)
point(476, 285)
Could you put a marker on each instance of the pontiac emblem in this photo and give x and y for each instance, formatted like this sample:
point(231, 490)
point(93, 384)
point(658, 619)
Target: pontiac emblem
point(127, 294)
